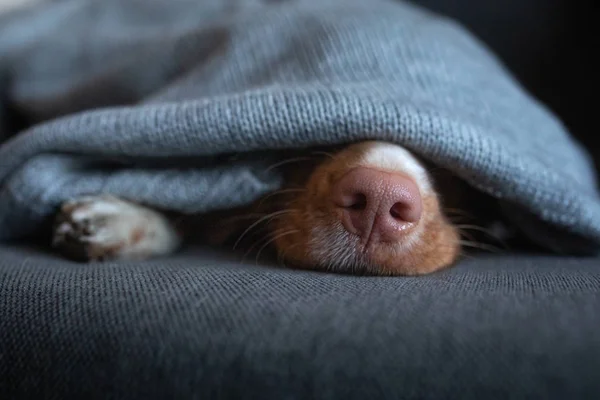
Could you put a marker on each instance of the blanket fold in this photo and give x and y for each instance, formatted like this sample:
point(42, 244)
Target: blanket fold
point(115, 84)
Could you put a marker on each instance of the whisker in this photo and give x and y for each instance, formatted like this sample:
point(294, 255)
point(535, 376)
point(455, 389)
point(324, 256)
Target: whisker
point(481, 246)
point(458, 219)
point(488, 232)
point(475, 228)
point(280, 192)
point(274, 238)
point(457, 212)
point(466, 255)
point(324, 153)
point(257, 242)
point(281, 256)
point(468, 236)
point(241, 217)
point(263, 219)
point(287, 161)
point(222, 221)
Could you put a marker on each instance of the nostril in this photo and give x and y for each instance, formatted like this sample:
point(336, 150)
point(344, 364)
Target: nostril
point(357, 201)
point(407, 212)
point(398, 210)
point(353, 201)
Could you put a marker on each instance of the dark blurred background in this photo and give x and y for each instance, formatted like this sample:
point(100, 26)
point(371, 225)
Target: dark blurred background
point(549, 45)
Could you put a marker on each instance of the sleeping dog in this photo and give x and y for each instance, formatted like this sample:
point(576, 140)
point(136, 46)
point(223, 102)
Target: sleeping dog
point(368, 208)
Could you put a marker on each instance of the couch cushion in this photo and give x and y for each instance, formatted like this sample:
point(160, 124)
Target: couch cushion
point(203, 325)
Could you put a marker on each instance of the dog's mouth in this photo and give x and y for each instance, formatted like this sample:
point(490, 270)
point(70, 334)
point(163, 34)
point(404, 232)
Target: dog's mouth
point(330, 247)
point(339, 250)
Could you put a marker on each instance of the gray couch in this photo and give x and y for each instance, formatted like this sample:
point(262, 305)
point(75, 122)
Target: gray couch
point(202, 324)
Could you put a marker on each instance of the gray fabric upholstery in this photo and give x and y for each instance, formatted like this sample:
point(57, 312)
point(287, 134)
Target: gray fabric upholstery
point(199, 79)
point(202, 325)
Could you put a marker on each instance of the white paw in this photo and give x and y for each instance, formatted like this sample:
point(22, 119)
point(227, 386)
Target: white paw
point(96, 228)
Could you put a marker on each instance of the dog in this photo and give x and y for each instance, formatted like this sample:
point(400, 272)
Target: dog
point(367, 208)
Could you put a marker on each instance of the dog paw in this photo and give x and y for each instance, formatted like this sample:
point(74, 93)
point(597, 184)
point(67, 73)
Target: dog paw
point(97, 228)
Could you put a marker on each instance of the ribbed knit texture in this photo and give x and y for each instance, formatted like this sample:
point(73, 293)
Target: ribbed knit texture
point(203, 326)
point(197, 79)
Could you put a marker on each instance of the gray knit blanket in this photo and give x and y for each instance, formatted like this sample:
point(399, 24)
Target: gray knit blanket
point(183, 104)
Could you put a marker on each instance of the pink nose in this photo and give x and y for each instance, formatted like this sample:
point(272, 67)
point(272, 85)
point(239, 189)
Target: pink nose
point(377, 205)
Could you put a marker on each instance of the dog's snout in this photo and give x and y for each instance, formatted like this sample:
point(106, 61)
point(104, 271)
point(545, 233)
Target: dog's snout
point(377, 205)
